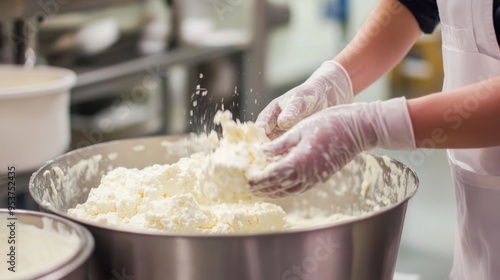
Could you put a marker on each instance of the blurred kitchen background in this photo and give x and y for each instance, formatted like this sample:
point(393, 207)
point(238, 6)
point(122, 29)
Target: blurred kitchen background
point(152, 67)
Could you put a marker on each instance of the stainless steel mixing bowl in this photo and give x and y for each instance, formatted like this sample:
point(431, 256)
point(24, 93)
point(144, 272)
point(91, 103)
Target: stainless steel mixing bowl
point(77, 267)
point(361, 248)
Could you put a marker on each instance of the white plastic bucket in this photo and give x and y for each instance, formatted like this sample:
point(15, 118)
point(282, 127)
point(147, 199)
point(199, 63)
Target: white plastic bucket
point(34, 115)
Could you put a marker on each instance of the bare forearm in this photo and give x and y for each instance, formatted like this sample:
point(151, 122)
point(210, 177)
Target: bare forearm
point(383, 40)
point(468, 117)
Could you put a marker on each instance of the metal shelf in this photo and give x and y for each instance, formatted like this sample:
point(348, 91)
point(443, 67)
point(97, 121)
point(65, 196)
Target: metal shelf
point(20, 11)
point(12, 9)
point(101, 75)
point(184, 55)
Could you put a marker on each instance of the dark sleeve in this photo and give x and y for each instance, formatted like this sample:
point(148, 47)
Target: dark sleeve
point(425, 12)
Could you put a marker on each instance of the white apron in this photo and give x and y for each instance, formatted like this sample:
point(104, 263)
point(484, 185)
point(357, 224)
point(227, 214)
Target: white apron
point(471, 54)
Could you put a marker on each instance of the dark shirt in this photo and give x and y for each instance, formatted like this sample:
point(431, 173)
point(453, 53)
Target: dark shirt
point(427, 14)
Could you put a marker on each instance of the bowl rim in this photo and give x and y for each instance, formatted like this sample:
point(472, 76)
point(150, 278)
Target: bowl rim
point(79, 257)
point(267, 233)
point(66, 80)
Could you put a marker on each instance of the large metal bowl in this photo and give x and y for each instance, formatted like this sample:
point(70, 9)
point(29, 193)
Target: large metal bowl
point(74, 268)
point(364, 247)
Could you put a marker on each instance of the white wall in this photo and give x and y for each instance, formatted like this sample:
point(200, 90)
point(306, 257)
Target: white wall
point(296, 50)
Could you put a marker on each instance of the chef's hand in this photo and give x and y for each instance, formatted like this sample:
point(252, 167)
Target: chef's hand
point(322, 144)
point(329, 85)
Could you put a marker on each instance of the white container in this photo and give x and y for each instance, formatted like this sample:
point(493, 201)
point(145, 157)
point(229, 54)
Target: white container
point(43, 247)
point(34, 115)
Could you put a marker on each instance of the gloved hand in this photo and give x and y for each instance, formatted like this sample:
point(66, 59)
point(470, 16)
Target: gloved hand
point(317, 147)
point(329, 85)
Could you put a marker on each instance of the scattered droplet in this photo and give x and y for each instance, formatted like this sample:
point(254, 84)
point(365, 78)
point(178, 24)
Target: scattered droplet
point(197, 92)
point(191, 113)
point(204, 93)
point(196, 103)
point(201, 75)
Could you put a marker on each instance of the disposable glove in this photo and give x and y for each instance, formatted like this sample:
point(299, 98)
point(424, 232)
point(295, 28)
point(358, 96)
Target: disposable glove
point(329, 85)
point(317, 147)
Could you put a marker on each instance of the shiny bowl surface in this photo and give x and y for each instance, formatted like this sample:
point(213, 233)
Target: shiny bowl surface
point(364, 247)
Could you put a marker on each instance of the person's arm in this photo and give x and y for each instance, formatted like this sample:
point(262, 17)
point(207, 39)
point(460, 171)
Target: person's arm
point(468, 117)
point(386, 36)
point(316, 148)
point(383, 40)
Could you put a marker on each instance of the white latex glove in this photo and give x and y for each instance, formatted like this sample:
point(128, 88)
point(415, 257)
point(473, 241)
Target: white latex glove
point(322, 144)
point(329, 85)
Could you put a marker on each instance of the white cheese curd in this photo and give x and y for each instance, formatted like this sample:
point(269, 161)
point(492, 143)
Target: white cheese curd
point(207, 192)
point(203, 193)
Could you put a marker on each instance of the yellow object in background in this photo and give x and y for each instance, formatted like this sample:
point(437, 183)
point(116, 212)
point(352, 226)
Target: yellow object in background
point(421, 71)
